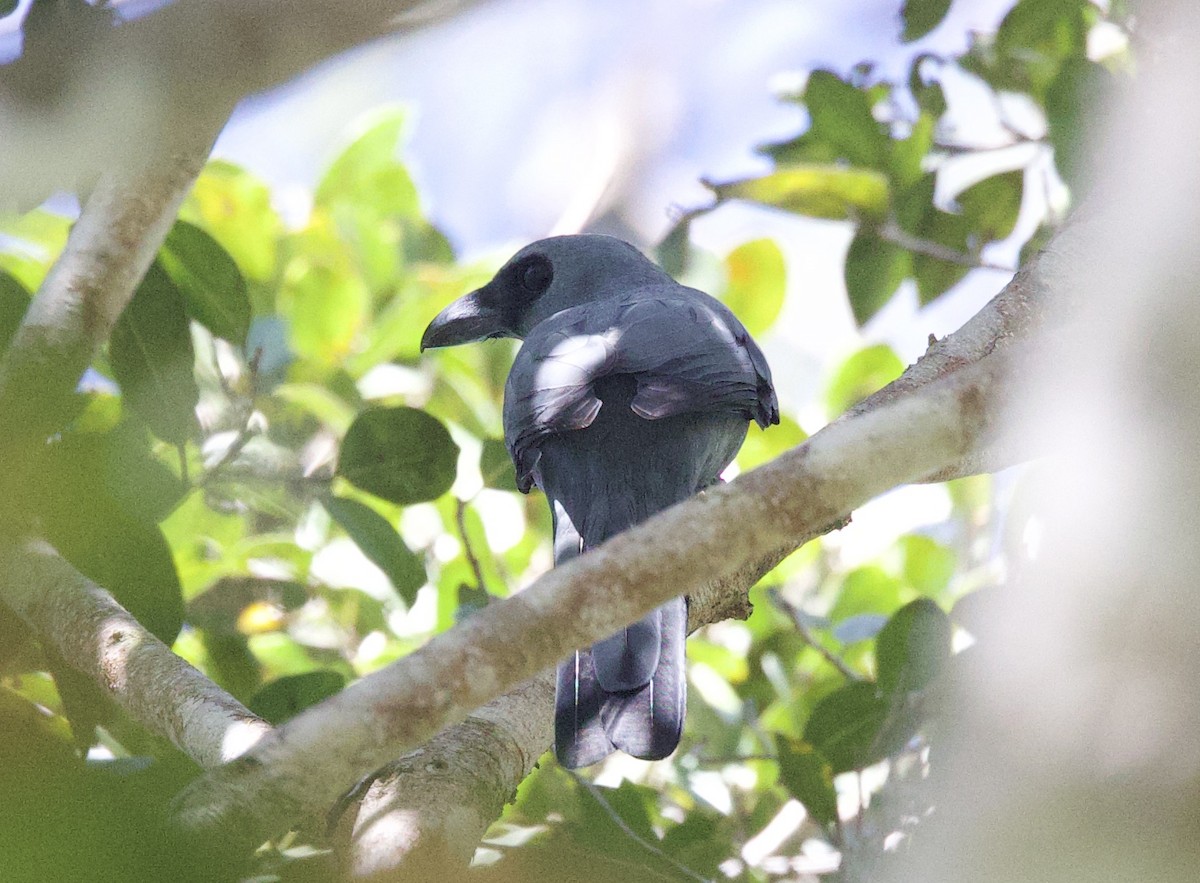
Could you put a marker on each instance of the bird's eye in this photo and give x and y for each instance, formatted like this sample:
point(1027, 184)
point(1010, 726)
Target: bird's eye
point(536, 275)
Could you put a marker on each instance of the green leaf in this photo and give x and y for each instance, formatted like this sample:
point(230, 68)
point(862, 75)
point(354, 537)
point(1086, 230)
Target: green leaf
point(8, 7)
point(151, 355)
point(818, 191)
point(922, 16)
point(213, 289)
point(867, 371)
point(991, 206)
point(874, 270)
point(913, 647)
point(928, 565)
point(764, 445)
point(908, 154)
point(869, 589)
point(286, 697)
point(400, 454)
point(114, 468)
point(841, 115)
point(757, 282)
point(496, 465)
point(934, 276)
point(380, 542)
point(367, 173)
point(14, 300)
point(235, 208)
point(324, 298)
point(128, 557)
point(808, 776)
point(846, 727)
point(1072, 102)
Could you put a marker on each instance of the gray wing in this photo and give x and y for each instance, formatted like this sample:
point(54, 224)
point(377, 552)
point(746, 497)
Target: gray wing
point(687, 351)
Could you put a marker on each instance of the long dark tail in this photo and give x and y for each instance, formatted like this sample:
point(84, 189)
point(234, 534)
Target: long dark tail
point(627, 692)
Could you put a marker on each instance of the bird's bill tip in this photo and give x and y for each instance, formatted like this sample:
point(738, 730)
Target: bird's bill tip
point(465, 320)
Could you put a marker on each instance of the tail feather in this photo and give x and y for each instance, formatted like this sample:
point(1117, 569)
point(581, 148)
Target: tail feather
point(579, 736)
point(648, 722)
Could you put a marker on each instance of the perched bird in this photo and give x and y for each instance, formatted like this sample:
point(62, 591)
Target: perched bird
point(630, 393)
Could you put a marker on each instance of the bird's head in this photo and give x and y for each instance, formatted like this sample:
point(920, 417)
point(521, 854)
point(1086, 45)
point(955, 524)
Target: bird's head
point(543, 278)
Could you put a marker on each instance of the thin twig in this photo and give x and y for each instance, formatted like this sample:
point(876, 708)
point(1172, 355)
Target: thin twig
point(598, 796)
point(235, 447)
point(892, 232)
point(460, 518)
point(810, 639)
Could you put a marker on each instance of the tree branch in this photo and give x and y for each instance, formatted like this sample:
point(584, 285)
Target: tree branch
point(445, 822)
point(99, 637)
point(714, 535)
point(108, 251)
point(160, 79)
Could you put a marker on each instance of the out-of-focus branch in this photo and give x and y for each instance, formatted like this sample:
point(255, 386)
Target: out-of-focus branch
point(108, 251)
point(93, 633)
point(156, 81)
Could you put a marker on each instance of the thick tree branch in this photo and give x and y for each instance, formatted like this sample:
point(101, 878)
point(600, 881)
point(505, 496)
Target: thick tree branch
point(429, 809)
point(96, 635)
point(448, 820)
point(712, 536)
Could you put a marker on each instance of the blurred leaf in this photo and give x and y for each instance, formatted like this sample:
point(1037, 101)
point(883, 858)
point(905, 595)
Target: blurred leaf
point(922, 16)
point(841, 115)
point(673, 251)
point(632, 803)
point(151, 355)
point(235, 208)
point(8, 7)
point(867, 371)
point(325, 304)
point(1072, 101)
point(874, 270)
point(913, 647)
point(496, 466)
point(763, 445)
point(757, 282)
point(14, 300)
point(934, 276)
point(991, 206)
point(129, 558)
point(217, 609)
point(867, 589)
point(818, 191)
point(808, 777)
point(846, 726)
point(380, 542)
point(286, 697)
point(213, 288)
point(108, 469)
point(400, 454)
point(909, 154)
point(928, 565)
point(367, 172)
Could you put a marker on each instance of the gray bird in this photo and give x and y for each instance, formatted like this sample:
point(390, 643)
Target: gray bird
point(630, 393)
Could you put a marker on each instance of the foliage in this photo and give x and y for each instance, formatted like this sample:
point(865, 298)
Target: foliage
point(264, 469)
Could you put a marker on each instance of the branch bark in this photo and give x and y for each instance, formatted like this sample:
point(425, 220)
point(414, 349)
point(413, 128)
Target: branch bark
point(96, 635)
